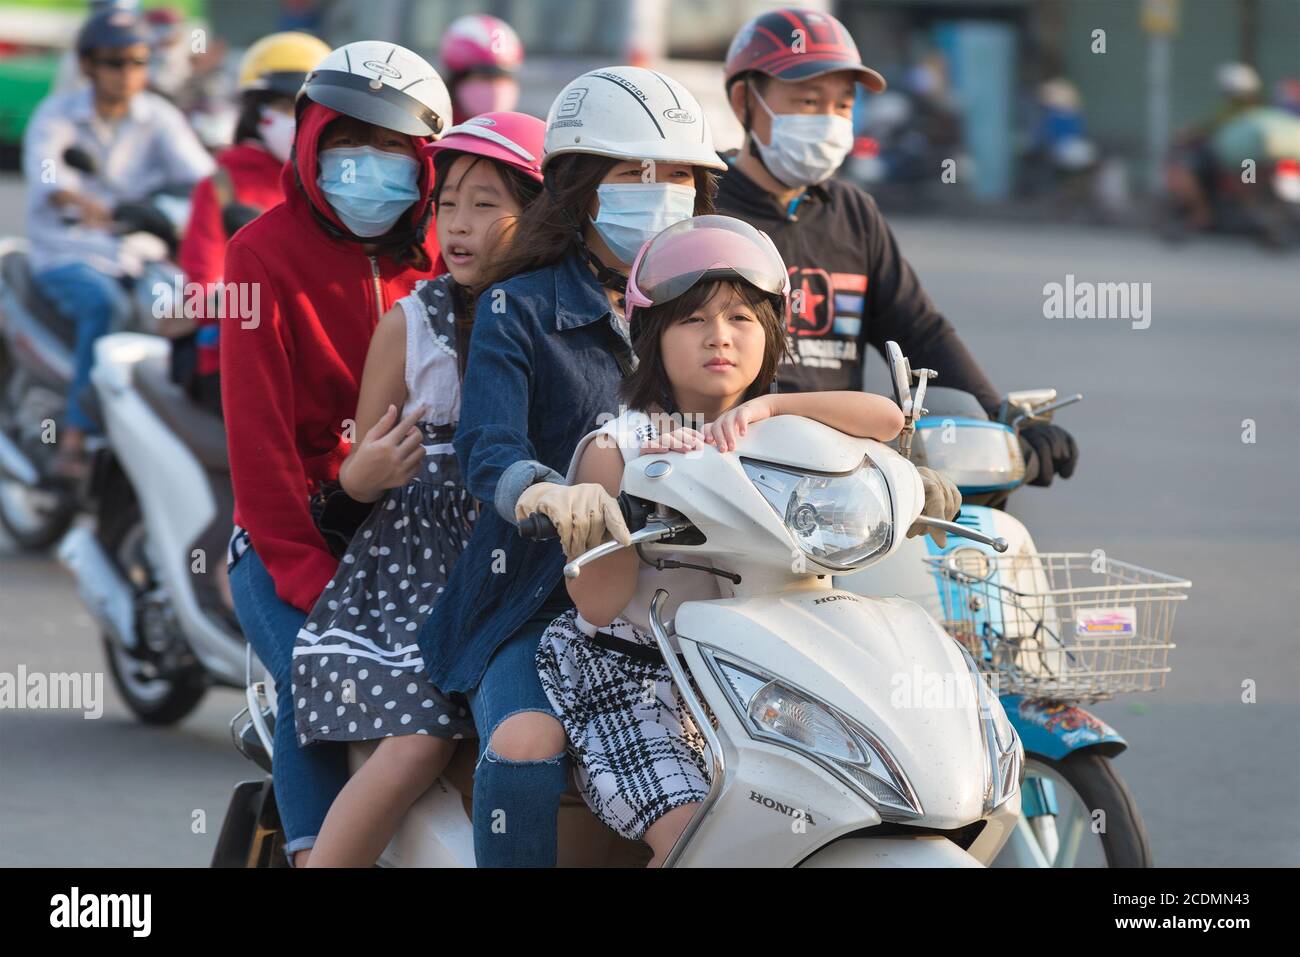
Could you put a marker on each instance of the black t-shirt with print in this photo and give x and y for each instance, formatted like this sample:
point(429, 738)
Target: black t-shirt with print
point(851, 288)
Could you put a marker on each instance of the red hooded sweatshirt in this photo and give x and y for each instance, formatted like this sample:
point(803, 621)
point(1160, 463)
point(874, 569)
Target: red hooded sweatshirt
point(291, 379)
point(255, 176)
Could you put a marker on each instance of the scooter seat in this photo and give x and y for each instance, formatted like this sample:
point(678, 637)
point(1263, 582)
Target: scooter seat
point(17, 273)
point(201, 431)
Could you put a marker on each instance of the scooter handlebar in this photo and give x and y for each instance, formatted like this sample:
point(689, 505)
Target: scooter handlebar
point(537, 526)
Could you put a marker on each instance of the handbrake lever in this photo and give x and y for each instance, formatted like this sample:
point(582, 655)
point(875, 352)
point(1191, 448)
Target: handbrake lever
point(998, 544)
point(654, 530)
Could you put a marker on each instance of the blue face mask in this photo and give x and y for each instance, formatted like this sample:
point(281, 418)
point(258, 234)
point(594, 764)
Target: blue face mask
point(631, 214)
point(367, 187)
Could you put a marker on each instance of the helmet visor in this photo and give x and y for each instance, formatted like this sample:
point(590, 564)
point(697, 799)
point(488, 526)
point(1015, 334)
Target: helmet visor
point(705, 248)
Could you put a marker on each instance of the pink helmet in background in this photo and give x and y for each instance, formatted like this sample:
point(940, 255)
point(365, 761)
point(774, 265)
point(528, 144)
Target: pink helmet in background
point(480, 43)
point(705, 249)
point(514, 139)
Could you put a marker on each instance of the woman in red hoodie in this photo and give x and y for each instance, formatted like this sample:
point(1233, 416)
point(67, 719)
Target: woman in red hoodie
point(314, 275)
point(247, 182)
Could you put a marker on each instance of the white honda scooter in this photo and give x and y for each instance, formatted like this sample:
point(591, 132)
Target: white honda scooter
point(823, 751)
point(150, 563)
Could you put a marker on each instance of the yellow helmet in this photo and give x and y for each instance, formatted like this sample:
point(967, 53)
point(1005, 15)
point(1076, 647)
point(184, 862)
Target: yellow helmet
point(280, 62)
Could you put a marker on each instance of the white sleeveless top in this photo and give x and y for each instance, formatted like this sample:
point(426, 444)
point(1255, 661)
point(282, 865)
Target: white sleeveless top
point(432, 370)
point(630, 430)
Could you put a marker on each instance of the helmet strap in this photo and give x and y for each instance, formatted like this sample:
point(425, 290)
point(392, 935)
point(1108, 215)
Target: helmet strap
point(748, 123)
point(609, 278)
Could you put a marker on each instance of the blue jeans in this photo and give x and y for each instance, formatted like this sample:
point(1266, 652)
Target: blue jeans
point(515, 802)
point(92, 300)
point(307, 780)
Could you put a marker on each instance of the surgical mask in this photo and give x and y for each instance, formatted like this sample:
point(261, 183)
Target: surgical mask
point(476, 97)
point(631, 214)
point(368, 188)
point(276, 132)
point(806, 148)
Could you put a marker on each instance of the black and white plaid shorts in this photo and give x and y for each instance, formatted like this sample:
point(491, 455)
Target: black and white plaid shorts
point(637, 753)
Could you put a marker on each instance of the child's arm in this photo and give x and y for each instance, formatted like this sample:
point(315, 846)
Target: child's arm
point(605, 587)
point(390, 451)
point(853, 413)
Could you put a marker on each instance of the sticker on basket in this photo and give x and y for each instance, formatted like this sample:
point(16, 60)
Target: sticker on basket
point(1106, 622)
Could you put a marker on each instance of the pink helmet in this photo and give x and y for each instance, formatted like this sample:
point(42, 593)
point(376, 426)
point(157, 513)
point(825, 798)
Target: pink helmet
point(705, 248)
point(483, 43)
point(514, 139)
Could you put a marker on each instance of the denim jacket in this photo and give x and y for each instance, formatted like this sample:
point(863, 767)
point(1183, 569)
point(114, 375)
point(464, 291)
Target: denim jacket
point(546, 359)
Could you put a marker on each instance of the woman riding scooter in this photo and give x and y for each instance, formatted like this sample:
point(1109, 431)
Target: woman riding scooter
point(351, 238)
point(547, 355)
point(246, 183)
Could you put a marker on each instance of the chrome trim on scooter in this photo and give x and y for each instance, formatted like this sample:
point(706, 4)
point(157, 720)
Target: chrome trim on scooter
point(255, 694)
point(701, 719)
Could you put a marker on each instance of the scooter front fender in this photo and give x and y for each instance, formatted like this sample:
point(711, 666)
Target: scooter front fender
point(1054, 729)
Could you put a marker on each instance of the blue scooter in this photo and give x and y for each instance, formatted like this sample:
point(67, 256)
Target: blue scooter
point(1052, 630)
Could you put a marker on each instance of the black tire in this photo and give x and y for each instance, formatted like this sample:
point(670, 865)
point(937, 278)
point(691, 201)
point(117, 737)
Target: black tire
point(154, 700)
point(181, 696)
point(1124, 842)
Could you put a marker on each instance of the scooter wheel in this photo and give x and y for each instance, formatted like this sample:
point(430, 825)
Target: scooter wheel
point(154, 700)
point(33, 527)
point(1086, 783)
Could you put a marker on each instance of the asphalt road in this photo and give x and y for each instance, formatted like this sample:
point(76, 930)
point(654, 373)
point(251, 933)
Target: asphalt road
point(1164, 481)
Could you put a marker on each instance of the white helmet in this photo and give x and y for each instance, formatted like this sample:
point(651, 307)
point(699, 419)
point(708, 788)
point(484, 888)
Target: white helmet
point(630, 113)
point(1238, 79)
point(383, 84)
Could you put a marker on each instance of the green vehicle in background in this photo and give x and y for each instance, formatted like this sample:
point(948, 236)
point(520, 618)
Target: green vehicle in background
point(34, 36)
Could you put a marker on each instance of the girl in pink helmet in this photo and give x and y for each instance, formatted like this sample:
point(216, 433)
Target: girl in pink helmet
point(707, 302)
point(357, 671)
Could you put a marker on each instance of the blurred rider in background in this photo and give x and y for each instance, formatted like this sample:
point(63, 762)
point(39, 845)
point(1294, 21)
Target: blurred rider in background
point(481, 56)
point(247, 182)
point(138, 143)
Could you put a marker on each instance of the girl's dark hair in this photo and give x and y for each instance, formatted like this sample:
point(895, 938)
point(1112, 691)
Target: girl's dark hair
point(648, 386)
point(549, 228)
point(250, 112)
point(521, 188)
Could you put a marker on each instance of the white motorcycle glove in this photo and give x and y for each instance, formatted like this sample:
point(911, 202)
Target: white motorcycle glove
point(942, 500)
point(581, 514)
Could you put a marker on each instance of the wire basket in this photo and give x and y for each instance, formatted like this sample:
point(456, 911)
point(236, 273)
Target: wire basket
point(1064, 625)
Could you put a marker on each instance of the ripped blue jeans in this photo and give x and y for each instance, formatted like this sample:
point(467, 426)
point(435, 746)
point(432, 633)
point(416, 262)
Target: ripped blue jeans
point(515, 802)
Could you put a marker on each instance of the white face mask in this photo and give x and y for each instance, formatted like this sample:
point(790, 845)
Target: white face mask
point(631, 214)
point(276, 130)
point(806, 148)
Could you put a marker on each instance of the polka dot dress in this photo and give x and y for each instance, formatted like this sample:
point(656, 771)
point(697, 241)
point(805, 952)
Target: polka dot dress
point(357, 671)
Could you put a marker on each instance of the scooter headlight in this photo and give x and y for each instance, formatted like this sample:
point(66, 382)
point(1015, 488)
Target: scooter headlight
point(839, 521)
point(773, 711)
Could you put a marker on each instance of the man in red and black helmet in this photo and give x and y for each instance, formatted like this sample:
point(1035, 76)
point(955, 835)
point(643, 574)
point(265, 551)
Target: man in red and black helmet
point(792, 78)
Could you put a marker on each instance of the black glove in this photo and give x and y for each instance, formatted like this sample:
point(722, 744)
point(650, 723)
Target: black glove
point(1049, 451)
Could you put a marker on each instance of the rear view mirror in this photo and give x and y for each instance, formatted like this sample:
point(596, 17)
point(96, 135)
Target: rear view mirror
point(900, 374)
